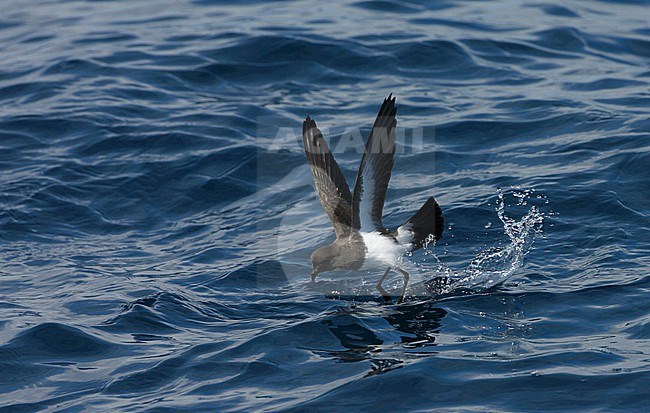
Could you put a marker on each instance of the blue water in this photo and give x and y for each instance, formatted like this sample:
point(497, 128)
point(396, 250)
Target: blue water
point(156, 225)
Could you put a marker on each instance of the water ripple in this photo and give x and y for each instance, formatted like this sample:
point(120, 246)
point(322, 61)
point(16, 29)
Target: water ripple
point(157, 215)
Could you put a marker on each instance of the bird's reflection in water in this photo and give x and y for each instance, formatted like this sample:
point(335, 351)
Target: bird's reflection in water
point(420, 322)
point(417, 325)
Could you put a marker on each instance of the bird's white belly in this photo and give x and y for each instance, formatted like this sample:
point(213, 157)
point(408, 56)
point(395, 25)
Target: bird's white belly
point(381, 250)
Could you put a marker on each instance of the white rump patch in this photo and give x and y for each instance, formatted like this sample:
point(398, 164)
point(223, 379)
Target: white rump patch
point(405, 236)
point(381, 250)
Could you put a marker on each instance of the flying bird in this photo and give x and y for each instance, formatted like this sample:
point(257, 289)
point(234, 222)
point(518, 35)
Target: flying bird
point(362, 240)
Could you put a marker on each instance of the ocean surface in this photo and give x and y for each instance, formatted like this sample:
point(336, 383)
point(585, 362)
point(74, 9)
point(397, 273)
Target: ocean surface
point(157, 214)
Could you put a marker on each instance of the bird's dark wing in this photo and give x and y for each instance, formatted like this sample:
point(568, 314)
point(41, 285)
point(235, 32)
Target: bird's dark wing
point(374, 171)
point(332, 189)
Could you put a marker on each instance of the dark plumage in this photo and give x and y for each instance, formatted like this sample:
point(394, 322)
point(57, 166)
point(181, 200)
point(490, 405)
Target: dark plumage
point(361, 237)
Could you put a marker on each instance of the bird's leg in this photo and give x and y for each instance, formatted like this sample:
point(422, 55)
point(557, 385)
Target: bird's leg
point(406, 283)
point(383, 292)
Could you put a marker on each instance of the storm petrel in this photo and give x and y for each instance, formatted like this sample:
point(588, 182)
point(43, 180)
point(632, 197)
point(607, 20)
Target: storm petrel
point(362, 241)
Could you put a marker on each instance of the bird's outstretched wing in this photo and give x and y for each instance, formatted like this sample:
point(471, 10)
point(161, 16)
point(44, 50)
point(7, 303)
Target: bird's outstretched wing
point(332, 189)
point(375, 169)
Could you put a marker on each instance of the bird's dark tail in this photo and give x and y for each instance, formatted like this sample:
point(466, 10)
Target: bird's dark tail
point(426, 224)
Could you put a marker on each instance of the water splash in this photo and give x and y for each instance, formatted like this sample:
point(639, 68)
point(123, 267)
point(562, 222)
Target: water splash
point(487, 269)
point(494, 265)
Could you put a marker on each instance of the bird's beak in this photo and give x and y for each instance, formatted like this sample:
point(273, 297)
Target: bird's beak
point(313, 275)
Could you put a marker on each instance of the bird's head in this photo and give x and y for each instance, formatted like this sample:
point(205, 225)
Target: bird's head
point(321, 260)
